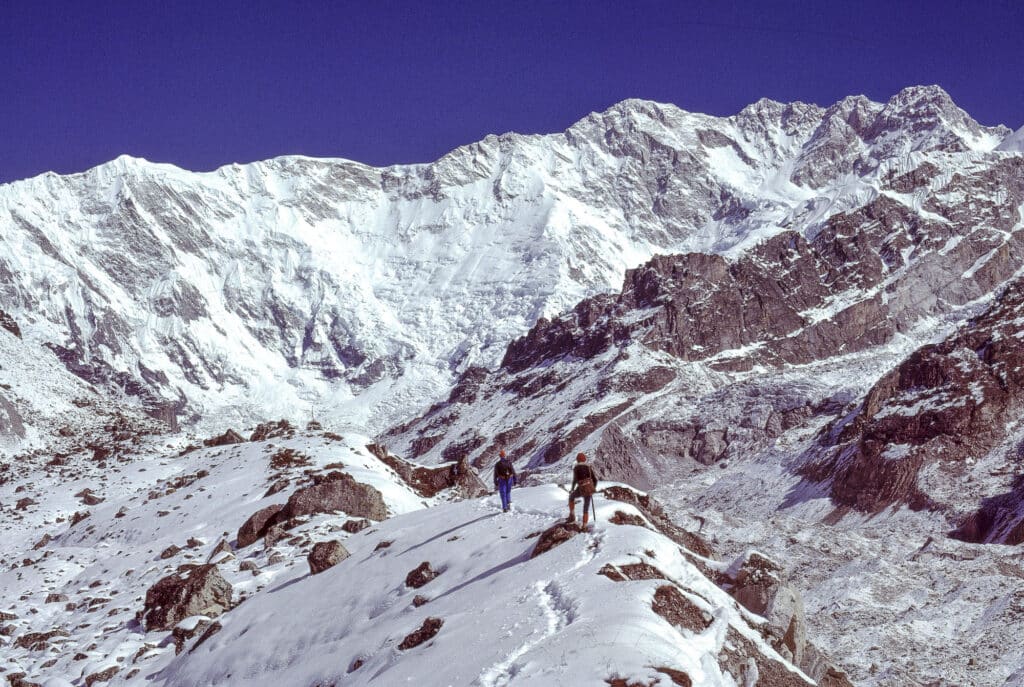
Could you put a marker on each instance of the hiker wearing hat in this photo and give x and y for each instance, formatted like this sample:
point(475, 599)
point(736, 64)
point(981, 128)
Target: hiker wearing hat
point(504, 480)
point(584, 483)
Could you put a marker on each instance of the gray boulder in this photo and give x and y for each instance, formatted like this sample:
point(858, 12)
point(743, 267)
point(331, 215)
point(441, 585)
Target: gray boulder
point(203, 591)
point(326, 554)
point(336, 491)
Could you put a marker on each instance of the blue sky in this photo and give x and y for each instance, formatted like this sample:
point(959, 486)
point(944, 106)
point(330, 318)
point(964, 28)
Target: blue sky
point(203, 84)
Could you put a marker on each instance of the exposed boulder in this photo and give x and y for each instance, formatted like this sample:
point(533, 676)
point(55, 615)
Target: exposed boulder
point(353, 526)
point(170, 552)
point(326, 554)
point(101, 676)
point(187, 630)
point(426, 631)
point(337, 491)
point(228, 437)
point(420, 575)
point(555, 536)
point(203, 591)
point(257, 524)
point(221, 547)
point(279, 485)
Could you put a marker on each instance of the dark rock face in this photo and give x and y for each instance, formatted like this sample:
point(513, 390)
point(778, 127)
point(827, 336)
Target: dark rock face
point(945, 403)
point(172, 599)
point(427, 631)
point(326, 554)
point(796, 298)
point(7, 322)
point(679, 611)
point(420, 575)
point(257, 525)
point(999, 520)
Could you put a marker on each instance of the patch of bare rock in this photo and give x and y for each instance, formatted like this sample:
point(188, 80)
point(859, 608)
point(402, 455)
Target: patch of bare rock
point(427, 631)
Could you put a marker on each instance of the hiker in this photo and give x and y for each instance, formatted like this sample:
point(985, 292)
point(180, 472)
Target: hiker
point(504, 480)
point(584, 483)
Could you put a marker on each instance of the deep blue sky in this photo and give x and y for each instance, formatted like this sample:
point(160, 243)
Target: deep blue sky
point(202, 84)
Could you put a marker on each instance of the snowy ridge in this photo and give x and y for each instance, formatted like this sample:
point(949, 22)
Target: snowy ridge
point(298, 286)
point(71, 613)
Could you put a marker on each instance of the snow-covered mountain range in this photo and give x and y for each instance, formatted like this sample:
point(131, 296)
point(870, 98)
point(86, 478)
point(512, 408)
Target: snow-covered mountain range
point(797, 323)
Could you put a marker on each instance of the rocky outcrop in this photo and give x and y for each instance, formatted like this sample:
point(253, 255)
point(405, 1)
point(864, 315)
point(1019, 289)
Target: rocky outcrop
point(429, 481)
point(271, 430)
point(228, 437)
point(655, 514)
point(556, 535)
point(326, 554)
point(796, 298)
point(7, 322)
point(757, 583)
point(945, 404)
point(200, 591)
point(760, 585)
point(999, 520)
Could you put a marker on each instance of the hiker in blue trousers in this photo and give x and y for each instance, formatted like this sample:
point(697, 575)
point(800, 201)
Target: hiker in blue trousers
point(504, 480)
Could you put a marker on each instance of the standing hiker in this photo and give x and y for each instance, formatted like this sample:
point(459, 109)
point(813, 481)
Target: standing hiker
point(504, 480)
point(584, 483)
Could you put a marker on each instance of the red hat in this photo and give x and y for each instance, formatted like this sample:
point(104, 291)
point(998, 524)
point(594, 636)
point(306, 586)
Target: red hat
point(501, 453)
point(580, 457)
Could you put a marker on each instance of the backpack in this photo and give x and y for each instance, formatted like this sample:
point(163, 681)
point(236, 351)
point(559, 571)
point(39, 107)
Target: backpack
point(504, 468)
point(586, 485)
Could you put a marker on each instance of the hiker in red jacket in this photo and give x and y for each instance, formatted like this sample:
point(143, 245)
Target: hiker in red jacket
point(504, 480)
point(584, 483)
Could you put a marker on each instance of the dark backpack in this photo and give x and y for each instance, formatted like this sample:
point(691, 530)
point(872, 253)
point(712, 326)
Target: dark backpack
point(504, 469)
point(586, 483)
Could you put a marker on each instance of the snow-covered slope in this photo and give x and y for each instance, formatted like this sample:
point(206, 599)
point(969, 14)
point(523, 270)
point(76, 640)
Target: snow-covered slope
point(620, 602)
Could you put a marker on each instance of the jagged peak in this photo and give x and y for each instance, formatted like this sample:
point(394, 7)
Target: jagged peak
point(1014, 142)
point(928, 94)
